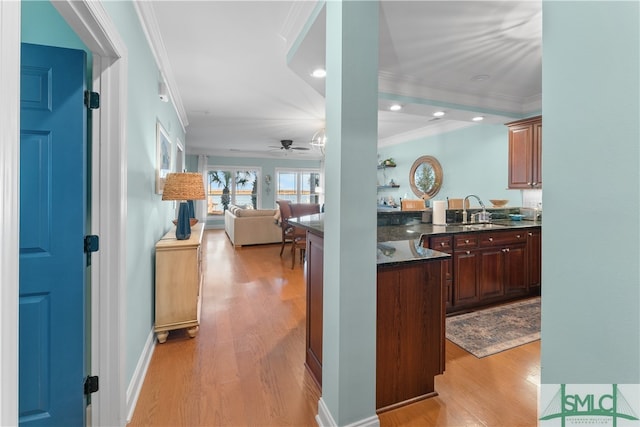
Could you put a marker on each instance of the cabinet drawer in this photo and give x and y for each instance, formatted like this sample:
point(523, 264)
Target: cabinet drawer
point(501, 238)
point(465, 241)
point(442, 244)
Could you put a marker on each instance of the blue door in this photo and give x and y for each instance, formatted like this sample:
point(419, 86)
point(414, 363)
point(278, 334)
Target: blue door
point(52, 228)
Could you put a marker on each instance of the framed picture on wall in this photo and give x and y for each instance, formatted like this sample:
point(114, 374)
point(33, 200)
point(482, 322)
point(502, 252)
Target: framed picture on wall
point(163, 157)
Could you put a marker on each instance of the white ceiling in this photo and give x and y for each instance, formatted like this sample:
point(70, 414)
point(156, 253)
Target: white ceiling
point(238, 92)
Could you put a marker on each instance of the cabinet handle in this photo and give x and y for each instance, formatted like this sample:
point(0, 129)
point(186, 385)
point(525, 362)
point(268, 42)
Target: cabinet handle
point(529, 184)
point(518, 236)
point(505, 250)
point(466, 240)
point(468, 252)
point(530, 234)
point(442, 244)
point(491, 239)
point(535, 183)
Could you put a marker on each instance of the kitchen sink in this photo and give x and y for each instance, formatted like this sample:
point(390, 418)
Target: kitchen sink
point(480, 226)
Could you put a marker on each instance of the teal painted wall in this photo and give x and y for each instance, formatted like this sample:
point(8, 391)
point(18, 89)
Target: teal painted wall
point(148, 217)
point(591, 164)
point(474, 160)
point(42, 24)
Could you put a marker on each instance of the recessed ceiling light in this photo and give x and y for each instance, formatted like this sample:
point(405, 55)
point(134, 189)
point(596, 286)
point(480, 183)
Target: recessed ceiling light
point(478, 119)
point(319, 73)
point(438, 114)
point(395, 107)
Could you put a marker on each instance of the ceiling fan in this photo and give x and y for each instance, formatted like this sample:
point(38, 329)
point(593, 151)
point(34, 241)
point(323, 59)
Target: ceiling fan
point(286, 145)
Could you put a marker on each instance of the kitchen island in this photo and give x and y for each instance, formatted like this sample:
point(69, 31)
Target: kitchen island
point(410, 316)
point(487, 264)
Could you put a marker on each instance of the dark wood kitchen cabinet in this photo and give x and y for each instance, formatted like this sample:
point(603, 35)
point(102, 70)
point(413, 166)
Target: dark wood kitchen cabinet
point(534, 260)
point(466, 272)
point(444, 244)
point(410, 323)
point(503, 264)
point(410, 333)
point(489, 267)
point(315, 279)
point(525, 153)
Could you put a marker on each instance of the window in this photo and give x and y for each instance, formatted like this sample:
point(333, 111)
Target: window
point(298, 186)
point(237, 186)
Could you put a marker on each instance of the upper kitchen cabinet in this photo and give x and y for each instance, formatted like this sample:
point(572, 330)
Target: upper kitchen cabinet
point(525, 153)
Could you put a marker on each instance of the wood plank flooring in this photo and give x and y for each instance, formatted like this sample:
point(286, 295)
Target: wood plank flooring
point(246, 366)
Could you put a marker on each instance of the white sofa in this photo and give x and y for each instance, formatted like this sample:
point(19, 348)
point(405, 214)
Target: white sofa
point(252, 226)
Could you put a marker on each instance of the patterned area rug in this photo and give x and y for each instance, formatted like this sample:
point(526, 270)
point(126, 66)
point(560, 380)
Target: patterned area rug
point(490, 331)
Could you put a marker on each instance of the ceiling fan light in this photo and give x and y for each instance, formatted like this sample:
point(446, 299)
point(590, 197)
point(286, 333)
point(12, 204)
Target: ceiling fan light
point(438, 114)
point(395, 107)
point(319, 139)
point(478, 119)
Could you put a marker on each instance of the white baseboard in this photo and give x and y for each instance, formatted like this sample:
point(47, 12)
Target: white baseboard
point(325, 419)
point(135, 385)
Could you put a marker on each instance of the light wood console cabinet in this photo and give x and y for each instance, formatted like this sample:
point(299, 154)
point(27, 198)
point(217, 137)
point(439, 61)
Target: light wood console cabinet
point(178, 283)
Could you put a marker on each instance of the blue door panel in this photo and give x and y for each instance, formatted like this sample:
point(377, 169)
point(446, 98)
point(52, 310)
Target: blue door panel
point(34, 358)
point(52, 228)
point(35, 88)
point(35, 192)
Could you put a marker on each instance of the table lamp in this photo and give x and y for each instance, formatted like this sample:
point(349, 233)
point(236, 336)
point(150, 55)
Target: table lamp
point(183, 186)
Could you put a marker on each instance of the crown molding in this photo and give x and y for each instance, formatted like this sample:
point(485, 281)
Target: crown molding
point(149, 23)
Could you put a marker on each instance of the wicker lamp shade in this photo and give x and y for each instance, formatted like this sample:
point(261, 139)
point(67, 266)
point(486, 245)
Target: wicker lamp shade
point(183, 186)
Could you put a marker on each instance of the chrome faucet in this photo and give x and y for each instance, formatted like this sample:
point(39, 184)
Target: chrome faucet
point(464, 207)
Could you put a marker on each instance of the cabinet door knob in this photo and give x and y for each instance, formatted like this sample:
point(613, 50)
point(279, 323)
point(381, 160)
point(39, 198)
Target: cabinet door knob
point(529, 184)
point(535, 183)
point(506, 250)
point(442, 244)
point(466, 240)
point(468, 252)
point(491, 239)
point(518, 236)
point(530, 234)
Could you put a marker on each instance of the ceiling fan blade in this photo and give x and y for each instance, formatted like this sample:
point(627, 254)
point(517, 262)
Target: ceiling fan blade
point(298, 148)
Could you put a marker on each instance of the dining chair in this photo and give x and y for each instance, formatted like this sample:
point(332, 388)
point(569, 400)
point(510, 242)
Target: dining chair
point(299, 238)
point(287, 229)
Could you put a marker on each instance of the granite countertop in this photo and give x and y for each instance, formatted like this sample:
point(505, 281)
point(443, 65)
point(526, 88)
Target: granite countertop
point(403, 251)
point(313, 223)
point(402, 232)
point(413, 230)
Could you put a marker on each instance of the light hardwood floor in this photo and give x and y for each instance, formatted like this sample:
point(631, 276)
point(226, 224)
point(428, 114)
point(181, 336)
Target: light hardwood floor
point(246, 366)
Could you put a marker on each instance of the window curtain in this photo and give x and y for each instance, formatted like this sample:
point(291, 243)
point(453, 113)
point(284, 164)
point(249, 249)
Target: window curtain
point(201, 205)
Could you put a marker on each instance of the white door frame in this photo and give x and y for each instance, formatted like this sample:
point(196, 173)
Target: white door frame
point(108, 207)
point(9, 212)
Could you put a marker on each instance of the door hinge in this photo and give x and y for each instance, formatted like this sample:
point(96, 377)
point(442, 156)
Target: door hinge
point(91, 385)
point(91, 244)
point(92, 100)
